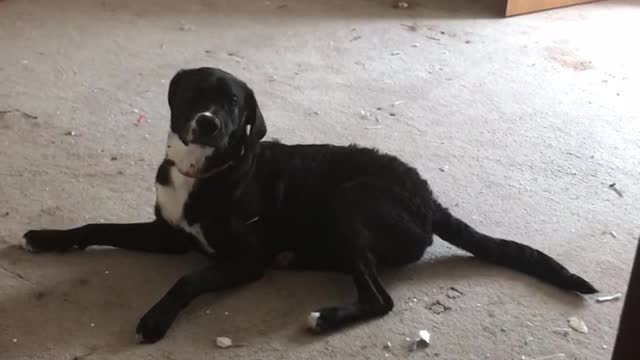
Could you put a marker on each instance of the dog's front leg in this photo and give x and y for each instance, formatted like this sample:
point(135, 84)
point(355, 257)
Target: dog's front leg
point(219, 276)
point(156, 236)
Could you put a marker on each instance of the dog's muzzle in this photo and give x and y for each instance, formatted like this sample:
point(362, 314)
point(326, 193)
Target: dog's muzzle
point(205, 125)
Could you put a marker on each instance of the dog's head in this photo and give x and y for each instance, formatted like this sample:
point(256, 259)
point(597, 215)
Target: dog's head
point(215, 121)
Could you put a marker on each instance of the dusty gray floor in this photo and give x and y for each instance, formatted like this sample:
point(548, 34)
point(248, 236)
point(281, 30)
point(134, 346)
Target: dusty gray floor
point(520, 124)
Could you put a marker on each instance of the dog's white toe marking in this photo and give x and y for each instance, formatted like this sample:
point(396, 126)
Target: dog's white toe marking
point(25, 246)
point(312, 320)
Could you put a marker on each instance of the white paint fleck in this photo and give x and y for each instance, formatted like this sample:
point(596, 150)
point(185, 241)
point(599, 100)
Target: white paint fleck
point(578, 325)
point(425, 336)
point(224, 342)
point(609, 298)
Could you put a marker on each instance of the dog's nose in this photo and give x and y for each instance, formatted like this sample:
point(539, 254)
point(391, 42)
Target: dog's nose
point(207, 125)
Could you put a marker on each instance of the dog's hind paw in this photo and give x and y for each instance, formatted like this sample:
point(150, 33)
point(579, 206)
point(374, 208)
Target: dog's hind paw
point(334, 317)
point(26, 246)
point(312, 321)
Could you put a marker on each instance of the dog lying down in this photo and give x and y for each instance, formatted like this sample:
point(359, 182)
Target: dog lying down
point(249, 204)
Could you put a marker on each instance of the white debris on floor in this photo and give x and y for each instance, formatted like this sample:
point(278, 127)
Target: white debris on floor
point(578, 325)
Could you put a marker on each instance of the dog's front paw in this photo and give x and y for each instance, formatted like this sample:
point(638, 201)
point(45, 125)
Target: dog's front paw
point(154, 325)
point(48, 240)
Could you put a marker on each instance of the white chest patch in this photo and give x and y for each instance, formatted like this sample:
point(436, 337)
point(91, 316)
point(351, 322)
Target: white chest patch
point(188, 158)
point(172, 198)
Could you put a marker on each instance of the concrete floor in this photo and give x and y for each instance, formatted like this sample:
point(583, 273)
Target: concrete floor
point(520, 125)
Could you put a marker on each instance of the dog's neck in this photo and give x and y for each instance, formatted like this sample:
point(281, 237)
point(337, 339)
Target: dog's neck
point(206, 174)
point(238, 161)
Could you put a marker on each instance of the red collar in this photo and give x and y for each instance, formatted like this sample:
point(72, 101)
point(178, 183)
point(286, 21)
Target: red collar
point(204, 175)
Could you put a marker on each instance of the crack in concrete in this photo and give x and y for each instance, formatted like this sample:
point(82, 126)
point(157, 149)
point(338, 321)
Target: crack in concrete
point(16, 274)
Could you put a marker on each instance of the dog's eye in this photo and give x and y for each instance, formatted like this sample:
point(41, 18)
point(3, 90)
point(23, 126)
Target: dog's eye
point(234, 101)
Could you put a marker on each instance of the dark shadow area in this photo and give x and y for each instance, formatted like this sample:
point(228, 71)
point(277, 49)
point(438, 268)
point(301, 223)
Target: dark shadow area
point(105, 292)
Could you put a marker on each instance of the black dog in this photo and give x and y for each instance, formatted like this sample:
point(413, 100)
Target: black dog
point(247, 202)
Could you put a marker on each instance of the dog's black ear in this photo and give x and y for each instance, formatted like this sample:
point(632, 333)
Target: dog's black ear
point(174, 87)
point(256, 127)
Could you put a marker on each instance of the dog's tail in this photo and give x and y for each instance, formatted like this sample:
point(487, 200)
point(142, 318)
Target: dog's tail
point(506, 252)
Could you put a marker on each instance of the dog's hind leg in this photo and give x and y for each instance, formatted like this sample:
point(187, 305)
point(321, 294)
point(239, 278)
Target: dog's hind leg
point(156, 236)
point(372, 300)
point(374, 223)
